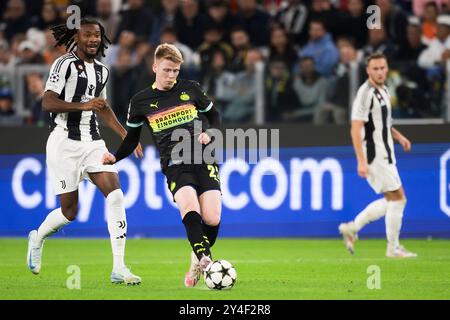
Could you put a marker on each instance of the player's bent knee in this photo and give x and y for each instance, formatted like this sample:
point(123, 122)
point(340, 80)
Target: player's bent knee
point(115, 198)
point(185, 209)
point(70, 212)
point(212, 220)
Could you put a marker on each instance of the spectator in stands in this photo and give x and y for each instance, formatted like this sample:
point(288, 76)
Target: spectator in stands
point(29, 53)
point(321, 48)
point(48, 17)
point(87, 7)
point(240, 41)
point(325, 11)
point(445, 7)
point(255, 21)
point(439, 49)
point(410, 53)
point(38, 38)
point(109, 19)
point(418, 6)
point(242, 91)
point(6, 60)
point(50, 52)
point(338, 103)
point(137, 19)
point(280, 97)
point(354, 22)
point(378, 42)
point(311, 89)
point(127, 40)
point(218, 79)
point(394, 21)
point(213, 42)
point(281, 48)
point(220, 15)
point(191, 59)
point(429, 22)
point(36, 86)
point(142, 49)
point(15, 19)
point(165, 18)
point(7, 114)
point(294, 20)
point(144, 74)
point(123, 77)
point(14, 47)
point(190, 24)
point(412, 90)
point(433, 60)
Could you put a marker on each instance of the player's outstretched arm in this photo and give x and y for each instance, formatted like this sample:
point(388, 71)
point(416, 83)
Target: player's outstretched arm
point(109, 117)
point(406, 144)
point(363, 167)
point(126, 148)
point(51, 103)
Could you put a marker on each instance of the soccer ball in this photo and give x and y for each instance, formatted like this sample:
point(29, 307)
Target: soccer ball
point(220, 275)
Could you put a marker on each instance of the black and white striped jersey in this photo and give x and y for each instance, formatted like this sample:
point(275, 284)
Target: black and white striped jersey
point(373, 106)
point(76, 80)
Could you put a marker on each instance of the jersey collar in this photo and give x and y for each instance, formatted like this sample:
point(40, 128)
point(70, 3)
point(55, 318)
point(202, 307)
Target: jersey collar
point(154, 85)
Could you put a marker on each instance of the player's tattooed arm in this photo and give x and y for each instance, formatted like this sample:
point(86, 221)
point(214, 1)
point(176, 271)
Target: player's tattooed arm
point(406, 144)
point(52, 103)
point(110, 119)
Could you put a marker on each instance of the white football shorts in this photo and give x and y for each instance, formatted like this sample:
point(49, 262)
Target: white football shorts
point(69, 161)
point(383, 177)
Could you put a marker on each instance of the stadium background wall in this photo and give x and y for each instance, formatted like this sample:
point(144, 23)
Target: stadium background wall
point(307, 192)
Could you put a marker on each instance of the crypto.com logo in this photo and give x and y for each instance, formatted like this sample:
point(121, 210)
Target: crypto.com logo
point(445, 183)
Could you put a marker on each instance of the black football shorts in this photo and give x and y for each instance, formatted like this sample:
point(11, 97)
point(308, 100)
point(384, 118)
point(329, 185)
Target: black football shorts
point(202, 177)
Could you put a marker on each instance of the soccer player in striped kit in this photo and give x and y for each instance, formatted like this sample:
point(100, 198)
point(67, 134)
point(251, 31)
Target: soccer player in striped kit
point(371, 114)
point(75, 94)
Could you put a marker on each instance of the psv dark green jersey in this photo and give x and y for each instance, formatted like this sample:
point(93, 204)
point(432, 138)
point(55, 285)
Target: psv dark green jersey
point(166, 111)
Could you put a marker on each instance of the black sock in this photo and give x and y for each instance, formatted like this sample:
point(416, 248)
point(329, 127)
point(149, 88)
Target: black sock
point(211, 233)
point(193, 223)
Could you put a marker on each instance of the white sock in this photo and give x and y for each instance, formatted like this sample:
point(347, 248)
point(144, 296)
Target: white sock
point(54, 221)
point(117, 227)
point(394, 217)
point(374, 211)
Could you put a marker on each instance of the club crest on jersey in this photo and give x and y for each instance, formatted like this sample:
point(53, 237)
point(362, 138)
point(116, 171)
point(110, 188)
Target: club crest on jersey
point(184, 96)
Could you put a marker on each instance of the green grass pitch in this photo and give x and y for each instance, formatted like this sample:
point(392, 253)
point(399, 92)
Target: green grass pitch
point(267, 269)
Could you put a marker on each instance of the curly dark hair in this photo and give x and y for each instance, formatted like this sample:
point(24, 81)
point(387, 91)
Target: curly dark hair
point(65, 36)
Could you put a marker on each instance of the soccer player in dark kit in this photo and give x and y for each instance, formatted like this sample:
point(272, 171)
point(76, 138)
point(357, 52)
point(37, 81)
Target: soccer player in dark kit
point(165, 106)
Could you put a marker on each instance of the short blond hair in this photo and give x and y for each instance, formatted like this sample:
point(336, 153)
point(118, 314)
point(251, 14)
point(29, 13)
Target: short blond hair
point(169, 52)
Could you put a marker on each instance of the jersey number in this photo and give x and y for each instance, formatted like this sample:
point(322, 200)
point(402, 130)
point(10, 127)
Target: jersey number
point(213, 172)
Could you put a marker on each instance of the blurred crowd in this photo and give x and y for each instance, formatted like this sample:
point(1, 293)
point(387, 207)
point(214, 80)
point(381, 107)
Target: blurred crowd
point(307, 52)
